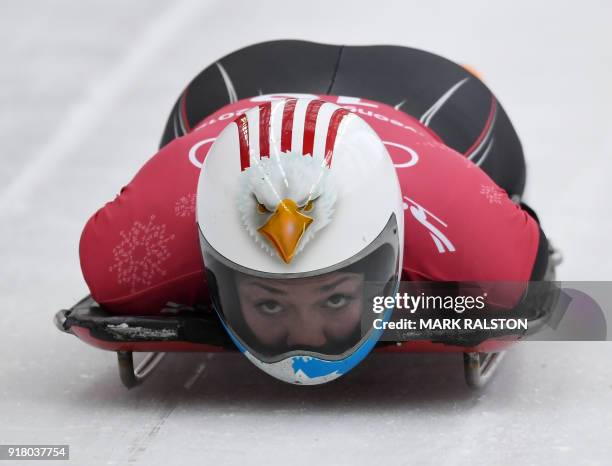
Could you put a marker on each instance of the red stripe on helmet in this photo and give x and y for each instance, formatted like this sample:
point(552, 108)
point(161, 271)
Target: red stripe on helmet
point(312, 111)
point(332, 132)
point(243, 138)
point(264, 129)
point(287, 125)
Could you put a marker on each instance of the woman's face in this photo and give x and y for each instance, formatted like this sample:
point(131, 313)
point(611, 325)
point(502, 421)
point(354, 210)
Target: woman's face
point(308, 313)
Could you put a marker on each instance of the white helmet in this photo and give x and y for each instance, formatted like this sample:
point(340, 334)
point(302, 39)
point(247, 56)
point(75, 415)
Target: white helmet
point(301, 223)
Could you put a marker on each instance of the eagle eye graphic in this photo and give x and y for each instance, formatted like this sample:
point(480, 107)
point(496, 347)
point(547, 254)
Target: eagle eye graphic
point(261, 208)
point(308, 206)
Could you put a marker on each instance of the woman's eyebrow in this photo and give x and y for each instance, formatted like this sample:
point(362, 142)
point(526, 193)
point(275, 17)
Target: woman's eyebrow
point(271, 289)
point(333, 285)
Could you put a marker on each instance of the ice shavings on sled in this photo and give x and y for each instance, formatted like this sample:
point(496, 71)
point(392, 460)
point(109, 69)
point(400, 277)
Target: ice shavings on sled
point(124, 332)
point(138, 258)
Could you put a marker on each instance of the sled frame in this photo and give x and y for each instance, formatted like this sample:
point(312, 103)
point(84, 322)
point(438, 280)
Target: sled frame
point(131, 377)
point(479, 368)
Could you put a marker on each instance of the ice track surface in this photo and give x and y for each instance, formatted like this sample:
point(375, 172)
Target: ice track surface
point(86, 88)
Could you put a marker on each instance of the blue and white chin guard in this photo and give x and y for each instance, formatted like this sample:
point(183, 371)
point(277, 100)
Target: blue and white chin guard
point(305, 369)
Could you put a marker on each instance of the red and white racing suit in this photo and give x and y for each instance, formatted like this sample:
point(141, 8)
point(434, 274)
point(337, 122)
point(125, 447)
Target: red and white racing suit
point(141, 251)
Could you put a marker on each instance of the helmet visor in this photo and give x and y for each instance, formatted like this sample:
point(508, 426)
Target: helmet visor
point(319, 313)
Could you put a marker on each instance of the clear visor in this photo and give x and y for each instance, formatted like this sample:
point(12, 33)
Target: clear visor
point(319, 313)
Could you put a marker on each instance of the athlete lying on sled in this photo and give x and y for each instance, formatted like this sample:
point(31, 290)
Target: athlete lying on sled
point(295, 181)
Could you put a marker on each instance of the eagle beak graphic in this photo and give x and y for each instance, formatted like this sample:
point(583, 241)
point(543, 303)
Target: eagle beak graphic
point(285, 228)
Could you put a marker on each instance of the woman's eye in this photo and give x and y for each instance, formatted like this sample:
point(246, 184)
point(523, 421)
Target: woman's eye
point(337, 301)
point(270, 307)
